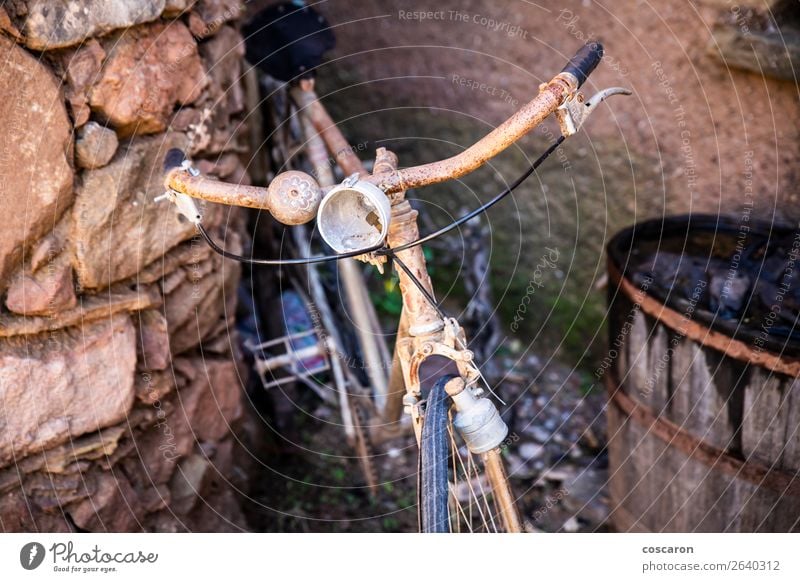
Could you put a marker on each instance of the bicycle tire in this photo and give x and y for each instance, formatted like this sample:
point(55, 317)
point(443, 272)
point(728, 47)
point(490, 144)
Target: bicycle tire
point(434, 454)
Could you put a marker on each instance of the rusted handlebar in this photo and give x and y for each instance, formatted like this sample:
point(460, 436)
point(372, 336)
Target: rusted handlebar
point(293, 197)
point(550, 97)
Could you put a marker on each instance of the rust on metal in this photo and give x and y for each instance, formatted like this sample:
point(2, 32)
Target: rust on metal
point(392, 181)
point(700, 333)
point(775, 479)
point(550, 97)
point(496, 473)
point(292, 197)
point(339, 147)
point(215, 191)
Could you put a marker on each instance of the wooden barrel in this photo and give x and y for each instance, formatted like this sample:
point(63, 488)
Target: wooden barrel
point(704, 425)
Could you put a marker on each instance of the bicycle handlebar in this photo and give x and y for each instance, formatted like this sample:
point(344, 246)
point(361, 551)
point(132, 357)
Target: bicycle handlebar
point(293, 197)
point(584, 62)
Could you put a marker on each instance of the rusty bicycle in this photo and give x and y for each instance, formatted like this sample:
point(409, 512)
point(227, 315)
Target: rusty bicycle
point(434, 378)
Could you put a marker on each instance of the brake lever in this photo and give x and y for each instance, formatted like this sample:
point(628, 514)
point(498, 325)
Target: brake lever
point(184, 203)
point(575, 111)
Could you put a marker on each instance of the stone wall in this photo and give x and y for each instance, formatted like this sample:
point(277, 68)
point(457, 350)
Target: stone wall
point(118, 379)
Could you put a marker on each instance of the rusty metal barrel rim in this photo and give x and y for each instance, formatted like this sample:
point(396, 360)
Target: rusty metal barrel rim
point(698, 332)
point(728, 336)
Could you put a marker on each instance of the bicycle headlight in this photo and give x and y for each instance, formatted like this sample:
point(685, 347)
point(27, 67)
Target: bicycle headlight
point(354, 215)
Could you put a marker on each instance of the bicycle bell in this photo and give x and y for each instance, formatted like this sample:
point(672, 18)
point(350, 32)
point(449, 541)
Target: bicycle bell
point(354, 215)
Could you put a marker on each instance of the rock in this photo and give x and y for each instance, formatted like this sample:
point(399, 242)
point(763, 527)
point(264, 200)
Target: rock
point(174, 8)
point(153, 346)
point(587, 495)
point(21, 514)
point(91, 308)
point(117, 228)
point(772, 52)
point(222, 456)
point(196, 306)
point(571, 525)
point(538, 433)
point(530, 451)
point(200, 412)
point(7, 26)
point(148, 71)
point(188, 253)
point(95, 145)
point(35, 170)
point(114, 507)
point(47, 291)
point(59, 459)
point(52, 24)
point(81, 68)
point(218, 399)
point(212, 124)
point(208, 16)
point(155, 498)
point(519, 469)
point(51, 491)
point(187, 482)
point(223, 167)
point(65, 384)
point(154, 385)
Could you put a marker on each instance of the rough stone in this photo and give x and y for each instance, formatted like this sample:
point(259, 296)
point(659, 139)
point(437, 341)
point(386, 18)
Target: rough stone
point(161, 445)
point(21, 514)
point(7, 26)
point(187, 482)
point(187, 253)
point(200, 412)
point(174, 8)
point(218, 399)
point(208, 16)
point(117, 227)
point(195, 307)
point(52, 24)
point(91, 308)
point(213, 129)
point(95, 145)
point(81, 68)
point(59, 459)
point(154, 385)
point(47, 291)
point(65, 384)
point(148, 71)
point(114, 506)
point(153, 345)
point(35, 172)
point(770, 53)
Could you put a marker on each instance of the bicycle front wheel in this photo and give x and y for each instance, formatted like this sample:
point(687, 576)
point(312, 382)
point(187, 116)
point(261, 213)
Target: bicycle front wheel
point(459, 491)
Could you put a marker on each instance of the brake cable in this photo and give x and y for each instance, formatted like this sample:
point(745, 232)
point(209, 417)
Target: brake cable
point(469, 216)
point(382, 249)
point(301, 261)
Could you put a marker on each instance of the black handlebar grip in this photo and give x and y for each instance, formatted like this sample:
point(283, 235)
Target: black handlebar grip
point(173, 159)
point(585, 61)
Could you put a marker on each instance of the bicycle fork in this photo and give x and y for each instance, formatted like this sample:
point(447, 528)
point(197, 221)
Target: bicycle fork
point(427, 332)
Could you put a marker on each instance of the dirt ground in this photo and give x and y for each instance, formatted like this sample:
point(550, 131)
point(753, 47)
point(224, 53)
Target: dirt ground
point(557, 464)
